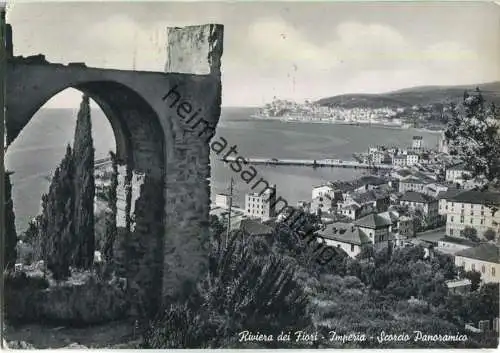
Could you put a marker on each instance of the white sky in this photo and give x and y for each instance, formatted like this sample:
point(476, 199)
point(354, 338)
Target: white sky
point(286, 49)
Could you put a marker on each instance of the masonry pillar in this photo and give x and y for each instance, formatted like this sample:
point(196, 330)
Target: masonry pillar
point(190, 50)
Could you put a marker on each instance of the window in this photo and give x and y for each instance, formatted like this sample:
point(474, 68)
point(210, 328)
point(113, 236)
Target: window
point(451, 218)
point(473, 267)
point(352, 247)
point(451, 231)
point(462, 219)
point(483, 269)
point(482, 221)
point(452, 204)
point(493, 271)
point(471, 213)
point(471, 220)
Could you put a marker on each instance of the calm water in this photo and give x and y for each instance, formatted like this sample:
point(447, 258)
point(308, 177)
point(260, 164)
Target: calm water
point(41, 145)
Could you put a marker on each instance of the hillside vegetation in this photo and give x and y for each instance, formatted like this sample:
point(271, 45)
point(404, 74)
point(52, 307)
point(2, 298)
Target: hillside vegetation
point(408, 97)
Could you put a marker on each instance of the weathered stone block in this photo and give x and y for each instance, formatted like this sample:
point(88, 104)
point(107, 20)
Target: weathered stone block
point(194, 49)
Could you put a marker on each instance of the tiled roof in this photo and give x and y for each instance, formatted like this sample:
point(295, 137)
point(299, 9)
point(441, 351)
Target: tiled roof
point(418, 197)
point(460, 241)
point(390, 215)
point(477, 197)
point(344, 232)
point(413, 180)
point(368, 196)
point(460, 166)
point(484, 252)
point(449, 193)
point(373, 221)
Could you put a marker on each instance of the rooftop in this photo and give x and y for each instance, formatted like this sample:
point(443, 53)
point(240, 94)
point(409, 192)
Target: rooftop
point(413, 196)
point(460, 241)
point(477, 197)
point(368, 196)
point(393, 216)
point(485, 252)
point(345, 233)
point(252, 227)
point(413, 180)
point(449, 193)
point(373, 221)
point(458, 283)
point(460, 166)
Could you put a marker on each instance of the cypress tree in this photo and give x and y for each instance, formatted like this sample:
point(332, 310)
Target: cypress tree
point(10, 255)
point(111, 230)
point(57, 224)
point(84, 188)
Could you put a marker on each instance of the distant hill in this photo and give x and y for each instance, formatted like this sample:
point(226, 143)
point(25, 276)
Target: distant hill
point(412, 96)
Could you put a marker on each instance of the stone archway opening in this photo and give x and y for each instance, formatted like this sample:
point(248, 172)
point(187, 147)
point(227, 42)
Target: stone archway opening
point(40, 147)
point(164, 157)
point(139, 147)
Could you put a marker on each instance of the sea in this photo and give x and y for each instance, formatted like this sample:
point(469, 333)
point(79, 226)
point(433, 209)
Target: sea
point(37, 151)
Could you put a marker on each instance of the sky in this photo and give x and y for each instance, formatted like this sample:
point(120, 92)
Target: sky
point(291, 50)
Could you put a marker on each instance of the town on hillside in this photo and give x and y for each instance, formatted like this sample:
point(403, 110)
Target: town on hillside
point(130, 220)
point(429, 198)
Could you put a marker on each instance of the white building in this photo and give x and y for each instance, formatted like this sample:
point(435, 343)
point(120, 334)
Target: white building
point(427, 204)
point(399, 160)
point(222, 200)
point(484, 259)
point(472, 208)
point(457, 174)
point(416, 142)
point(321, 190)
point(452, 245)
point(371, 230)
point(443, 144)
point(261, 205)
point(411, 159)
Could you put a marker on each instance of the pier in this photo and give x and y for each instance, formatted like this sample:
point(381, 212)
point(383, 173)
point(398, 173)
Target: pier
point(332, 163)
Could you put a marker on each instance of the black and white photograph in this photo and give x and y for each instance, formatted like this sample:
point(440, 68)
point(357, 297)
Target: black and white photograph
point(250, 174)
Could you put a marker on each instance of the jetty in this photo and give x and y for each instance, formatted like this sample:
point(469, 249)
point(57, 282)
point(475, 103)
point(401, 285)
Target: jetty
point(332, 163)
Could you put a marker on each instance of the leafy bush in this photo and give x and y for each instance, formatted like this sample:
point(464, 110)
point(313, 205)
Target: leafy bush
point(243, 291)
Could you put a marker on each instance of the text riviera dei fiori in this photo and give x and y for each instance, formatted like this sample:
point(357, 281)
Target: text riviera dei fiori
point(303, 336)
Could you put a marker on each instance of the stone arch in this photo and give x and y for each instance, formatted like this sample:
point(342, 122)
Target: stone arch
point(153, 138)
point(141, 156)
point(136, 125)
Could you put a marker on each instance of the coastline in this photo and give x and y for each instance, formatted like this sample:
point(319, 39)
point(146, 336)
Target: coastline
point(336, 122)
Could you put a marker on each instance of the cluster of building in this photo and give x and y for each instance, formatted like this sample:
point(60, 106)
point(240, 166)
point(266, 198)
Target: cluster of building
point(435, 203)
point(310, 111)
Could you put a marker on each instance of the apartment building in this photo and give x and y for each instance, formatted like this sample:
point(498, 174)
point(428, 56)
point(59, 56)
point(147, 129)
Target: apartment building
point(411, 159)
point(399, 160)
point(474, 209)
point(427, 204)
point(457, 174)
point(416, 142)
point(484, 259)
point(261, 205)
point(321, 190)
point(412, 183)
